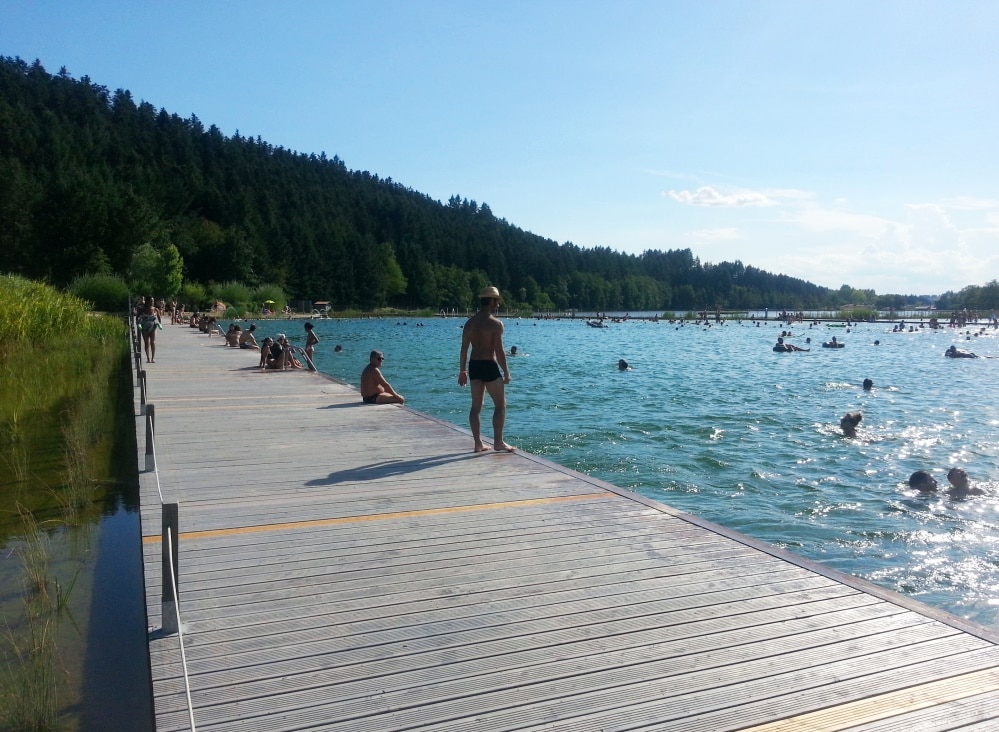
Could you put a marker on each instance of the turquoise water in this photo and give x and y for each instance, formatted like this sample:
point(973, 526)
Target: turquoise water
point(711, 421)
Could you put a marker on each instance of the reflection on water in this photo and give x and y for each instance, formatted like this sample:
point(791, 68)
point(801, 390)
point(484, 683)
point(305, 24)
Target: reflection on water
point(711, 421)
point(70, 563)
point(116, 689)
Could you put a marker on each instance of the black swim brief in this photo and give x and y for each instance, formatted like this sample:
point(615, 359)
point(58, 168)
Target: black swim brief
point(371, 398)
point(485, 370)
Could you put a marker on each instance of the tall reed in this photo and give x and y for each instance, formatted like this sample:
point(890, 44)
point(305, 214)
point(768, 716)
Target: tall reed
point(57, 382)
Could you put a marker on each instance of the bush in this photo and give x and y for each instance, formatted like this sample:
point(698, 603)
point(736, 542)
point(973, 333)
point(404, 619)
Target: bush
point(269, 292)
point(233, 294)
point(33, 311)
point(193, 296)
point(860, 314)
point(104, 292)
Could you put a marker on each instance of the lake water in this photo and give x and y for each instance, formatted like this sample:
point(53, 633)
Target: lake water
point(711, 421)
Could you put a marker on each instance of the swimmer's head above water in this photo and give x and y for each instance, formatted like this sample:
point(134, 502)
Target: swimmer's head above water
point(848, 423)
point(923, 482)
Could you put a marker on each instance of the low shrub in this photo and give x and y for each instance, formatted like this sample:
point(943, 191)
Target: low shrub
point(108, 293)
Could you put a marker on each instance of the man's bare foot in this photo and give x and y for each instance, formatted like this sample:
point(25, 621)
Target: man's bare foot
point(503, 447)
point(479, 447)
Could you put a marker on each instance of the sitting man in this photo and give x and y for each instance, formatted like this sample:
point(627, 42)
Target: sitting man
point(374, 388)
point(246, 339)
point(232, 336)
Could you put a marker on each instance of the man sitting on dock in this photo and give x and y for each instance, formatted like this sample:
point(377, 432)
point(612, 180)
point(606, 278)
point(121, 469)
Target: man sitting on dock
point(374, 388)
point(246, 339)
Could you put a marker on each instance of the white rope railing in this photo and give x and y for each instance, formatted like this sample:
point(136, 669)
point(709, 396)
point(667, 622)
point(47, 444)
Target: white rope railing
point(180, 635)
point(151, 426)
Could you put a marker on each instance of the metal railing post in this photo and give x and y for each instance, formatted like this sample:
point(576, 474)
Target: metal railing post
point(142, 391)
point(150, 435)
point(171, 567)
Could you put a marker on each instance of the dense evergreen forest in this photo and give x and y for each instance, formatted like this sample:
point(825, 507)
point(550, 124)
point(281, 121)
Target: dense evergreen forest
point(89, 178)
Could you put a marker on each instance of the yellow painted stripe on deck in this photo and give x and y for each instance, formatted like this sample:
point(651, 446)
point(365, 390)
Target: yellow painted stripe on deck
point(887, 705)
point(376, 517)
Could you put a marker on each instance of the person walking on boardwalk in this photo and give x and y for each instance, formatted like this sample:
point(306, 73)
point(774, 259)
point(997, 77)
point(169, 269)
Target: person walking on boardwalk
point(149, 321)
point(483, 334)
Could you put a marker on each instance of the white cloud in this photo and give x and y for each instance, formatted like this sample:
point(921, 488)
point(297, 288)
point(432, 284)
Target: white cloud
point(922, 248)
point(968, 203)
point(708, 196)
point(815, 219)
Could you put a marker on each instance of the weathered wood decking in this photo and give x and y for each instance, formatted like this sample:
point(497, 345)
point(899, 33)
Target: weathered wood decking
point(355, 567)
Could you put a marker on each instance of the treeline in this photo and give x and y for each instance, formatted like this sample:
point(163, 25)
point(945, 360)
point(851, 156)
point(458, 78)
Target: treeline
point(90, 181)
point(983, 299)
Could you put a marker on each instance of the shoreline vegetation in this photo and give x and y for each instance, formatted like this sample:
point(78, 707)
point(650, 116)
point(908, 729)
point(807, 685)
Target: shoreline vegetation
point(60, 390)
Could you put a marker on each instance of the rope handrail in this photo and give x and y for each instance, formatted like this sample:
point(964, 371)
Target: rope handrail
point(180, 637)
point(156, 465)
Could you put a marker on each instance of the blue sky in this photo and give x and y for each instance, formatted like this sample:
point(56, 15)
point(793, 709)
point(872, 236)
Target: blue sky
point(835, 141)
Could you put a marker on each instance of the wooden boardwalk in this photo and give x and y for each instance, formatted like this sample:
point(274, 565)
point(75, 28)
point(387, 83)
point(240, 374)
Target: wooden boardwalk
point(355, 567)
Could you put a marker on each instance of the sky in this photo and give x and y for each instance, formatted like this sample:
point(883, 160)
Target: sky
point(836, 141)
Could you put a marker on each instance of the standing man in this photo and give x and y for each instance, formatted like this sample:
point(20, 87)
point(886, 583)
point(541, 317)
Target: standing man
point(483, 332)
point(374, 388)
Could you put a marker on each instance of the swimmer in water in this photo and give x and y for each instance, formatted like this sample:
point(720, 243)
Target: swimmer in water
point(622, 365)
point(848, 423)
point(959, 485)
point(955, 352)
point(923, 482)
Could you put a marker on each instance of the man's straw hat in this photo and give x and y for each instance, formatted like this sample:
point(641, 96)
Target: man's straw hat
point(491, 292)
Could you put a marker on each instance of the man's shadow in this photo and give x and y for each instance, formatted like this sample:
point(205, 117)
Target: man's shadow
point(390, 469)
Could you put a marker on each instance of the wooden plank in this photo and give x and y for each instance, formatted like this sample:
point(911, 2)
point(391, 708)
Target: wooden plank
point(326, 585)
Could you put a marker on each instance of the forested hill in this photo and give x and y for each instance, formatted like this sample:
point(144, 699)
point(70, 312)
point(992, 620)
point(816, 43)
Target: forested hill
point(88, 175)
